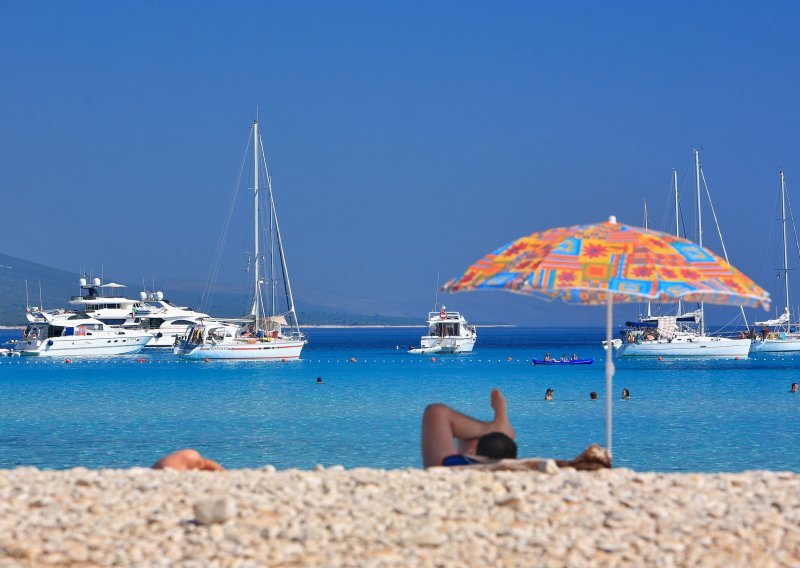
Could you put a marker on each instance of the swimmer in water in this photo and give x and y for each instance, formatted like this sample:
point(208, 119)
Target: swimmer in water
point(793, 388)
point(319, 380)
point(548, 394)
point(592, 395)
point(626, 394)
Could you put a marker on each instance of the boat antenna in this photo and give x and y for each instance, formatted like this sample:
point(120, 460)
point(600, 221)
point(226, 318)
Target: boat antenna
point(41, 304)
point(27, 302)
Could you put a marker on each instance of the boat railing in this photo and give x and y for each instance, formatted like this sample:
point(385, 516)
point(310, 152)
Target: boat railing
point(448, 315)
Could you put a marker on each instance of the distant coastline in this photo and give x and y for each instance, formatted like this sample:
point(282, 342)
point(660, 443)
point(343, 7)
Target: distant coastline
point(409, 326)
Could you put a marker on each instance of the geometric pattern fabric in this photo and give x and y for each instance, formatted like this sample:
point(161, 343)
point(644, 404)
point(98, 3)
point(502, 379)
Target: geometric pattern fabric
point(584, 263)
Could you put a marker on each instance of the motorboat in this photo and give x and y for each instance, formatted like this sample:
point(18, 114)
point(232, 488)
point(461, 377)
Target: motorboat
point(448, 332)
point(162, 319)
point(271, 330)
point(151, 312)
point(75, 333)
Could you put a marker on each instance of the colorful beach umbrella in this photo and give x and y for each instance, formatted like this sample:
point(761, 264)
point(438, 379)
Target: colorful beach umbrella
point(607, 263)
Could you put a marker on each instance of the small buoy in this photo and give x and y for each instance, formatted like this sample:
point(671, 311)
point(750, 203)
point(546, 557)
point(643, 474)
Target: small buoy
point(660, 358)
point(352, 359)
point(510, 359)
point(433, 359)
point(207, 359)
point(737, 358)
point(68, 361)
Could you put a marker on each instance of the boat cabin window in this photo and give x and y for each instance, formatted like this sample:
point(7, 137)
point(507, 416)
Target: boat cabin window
point(54, 330)
point(182, 322)
point(446, 329)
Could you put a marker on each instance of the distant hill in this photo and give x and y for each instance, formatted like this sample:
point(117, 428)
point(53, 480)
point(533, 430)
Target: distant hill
point(57, 287)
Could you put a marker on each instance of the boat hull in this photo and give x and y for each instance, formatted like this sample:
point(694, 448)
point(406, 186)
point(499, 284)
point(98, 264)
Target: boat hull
point(788, 345)
point(447, 344)
point(77, 346)
point(261, 351)
point(719, 347)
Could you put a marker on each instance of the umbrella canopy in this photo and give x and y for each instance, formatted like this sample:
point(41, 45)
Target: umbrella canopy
point(610, 262)
point(582, 264)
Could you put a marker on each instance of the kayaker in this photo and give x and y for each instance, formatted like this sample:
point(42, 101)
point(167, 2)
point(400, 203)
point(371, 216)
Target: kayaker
point(547, 357)
point(574, 357)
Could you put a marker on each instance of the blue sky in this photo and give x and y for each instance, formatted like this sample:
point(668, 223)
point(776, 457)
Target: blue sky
point(405, 139)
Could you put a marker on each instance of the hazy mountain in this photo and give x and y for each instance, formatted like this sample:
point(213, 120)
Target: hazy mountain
point(57, 286)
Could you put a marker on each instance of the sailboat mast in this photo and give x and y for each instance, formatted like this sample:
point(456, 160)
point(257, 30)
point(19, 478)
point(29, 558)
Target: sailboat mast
point(256, 287)
point(785, 251)
point(699, 230)
point(677, 216)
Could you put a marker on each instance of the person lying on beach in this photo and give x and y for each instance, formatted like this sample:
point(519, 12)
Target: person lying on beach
point(478, 441)
point(185, 460)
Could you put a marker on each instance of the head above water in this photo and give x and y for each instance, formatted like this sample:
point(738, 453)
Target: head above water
point(593, 395)
point(496, 445)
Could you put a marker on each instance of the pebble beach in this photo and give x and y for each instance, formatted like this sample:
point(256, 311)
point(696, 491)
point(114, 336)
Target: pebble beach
point(411, 517)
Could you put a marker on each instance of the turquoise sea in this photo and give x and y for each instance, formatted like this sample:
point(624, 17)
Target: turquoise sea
point(120, 412)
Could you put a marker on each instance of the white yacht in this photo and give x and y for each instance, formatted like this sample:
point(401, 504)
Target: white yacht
point(164, 321)
point(779, 335)
point(267, 332)
point(682, 335)
point(448, 332)
point(70, 334)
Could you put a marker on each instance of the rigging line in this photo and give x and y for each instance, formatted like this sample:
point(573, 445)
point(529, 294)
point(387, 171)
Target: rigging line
point(212, 278)
point(719, 232)
point(794, 226)
point(287, 285)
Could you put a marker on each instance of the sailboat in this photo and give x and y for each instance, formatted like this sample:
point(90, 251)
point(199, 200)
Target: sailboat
point(266, 333)
point(681, 335)
point(776, 335)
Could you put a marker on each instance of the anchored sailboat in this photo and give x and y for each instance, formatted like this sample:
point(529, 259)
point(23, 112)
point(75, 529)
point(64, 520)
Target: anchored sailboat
point(778, 335)
point(681, 335)
point(267, 332)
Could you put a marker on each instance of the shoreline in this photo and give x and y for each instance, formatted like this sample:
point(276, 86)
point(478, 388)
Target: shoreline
point(373, 517)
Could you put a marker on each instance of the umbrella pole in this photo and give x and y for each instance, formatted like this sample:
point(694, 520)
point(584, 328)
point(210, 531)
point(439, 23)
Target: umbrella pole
point(609, 368)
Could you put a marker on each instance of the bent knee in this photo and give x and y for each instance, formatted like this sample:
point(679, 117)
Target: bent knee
point(187, 458)
point(436, 409)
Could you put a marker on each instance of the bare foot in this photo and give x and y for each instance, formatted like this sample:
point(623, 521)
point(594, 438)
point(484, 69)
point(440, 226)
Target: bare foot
point(501, 422)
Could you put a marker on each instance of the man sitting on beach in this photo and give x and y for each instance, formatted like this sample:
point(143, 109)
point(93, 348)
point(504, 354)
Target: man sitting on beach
point(478, 441)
